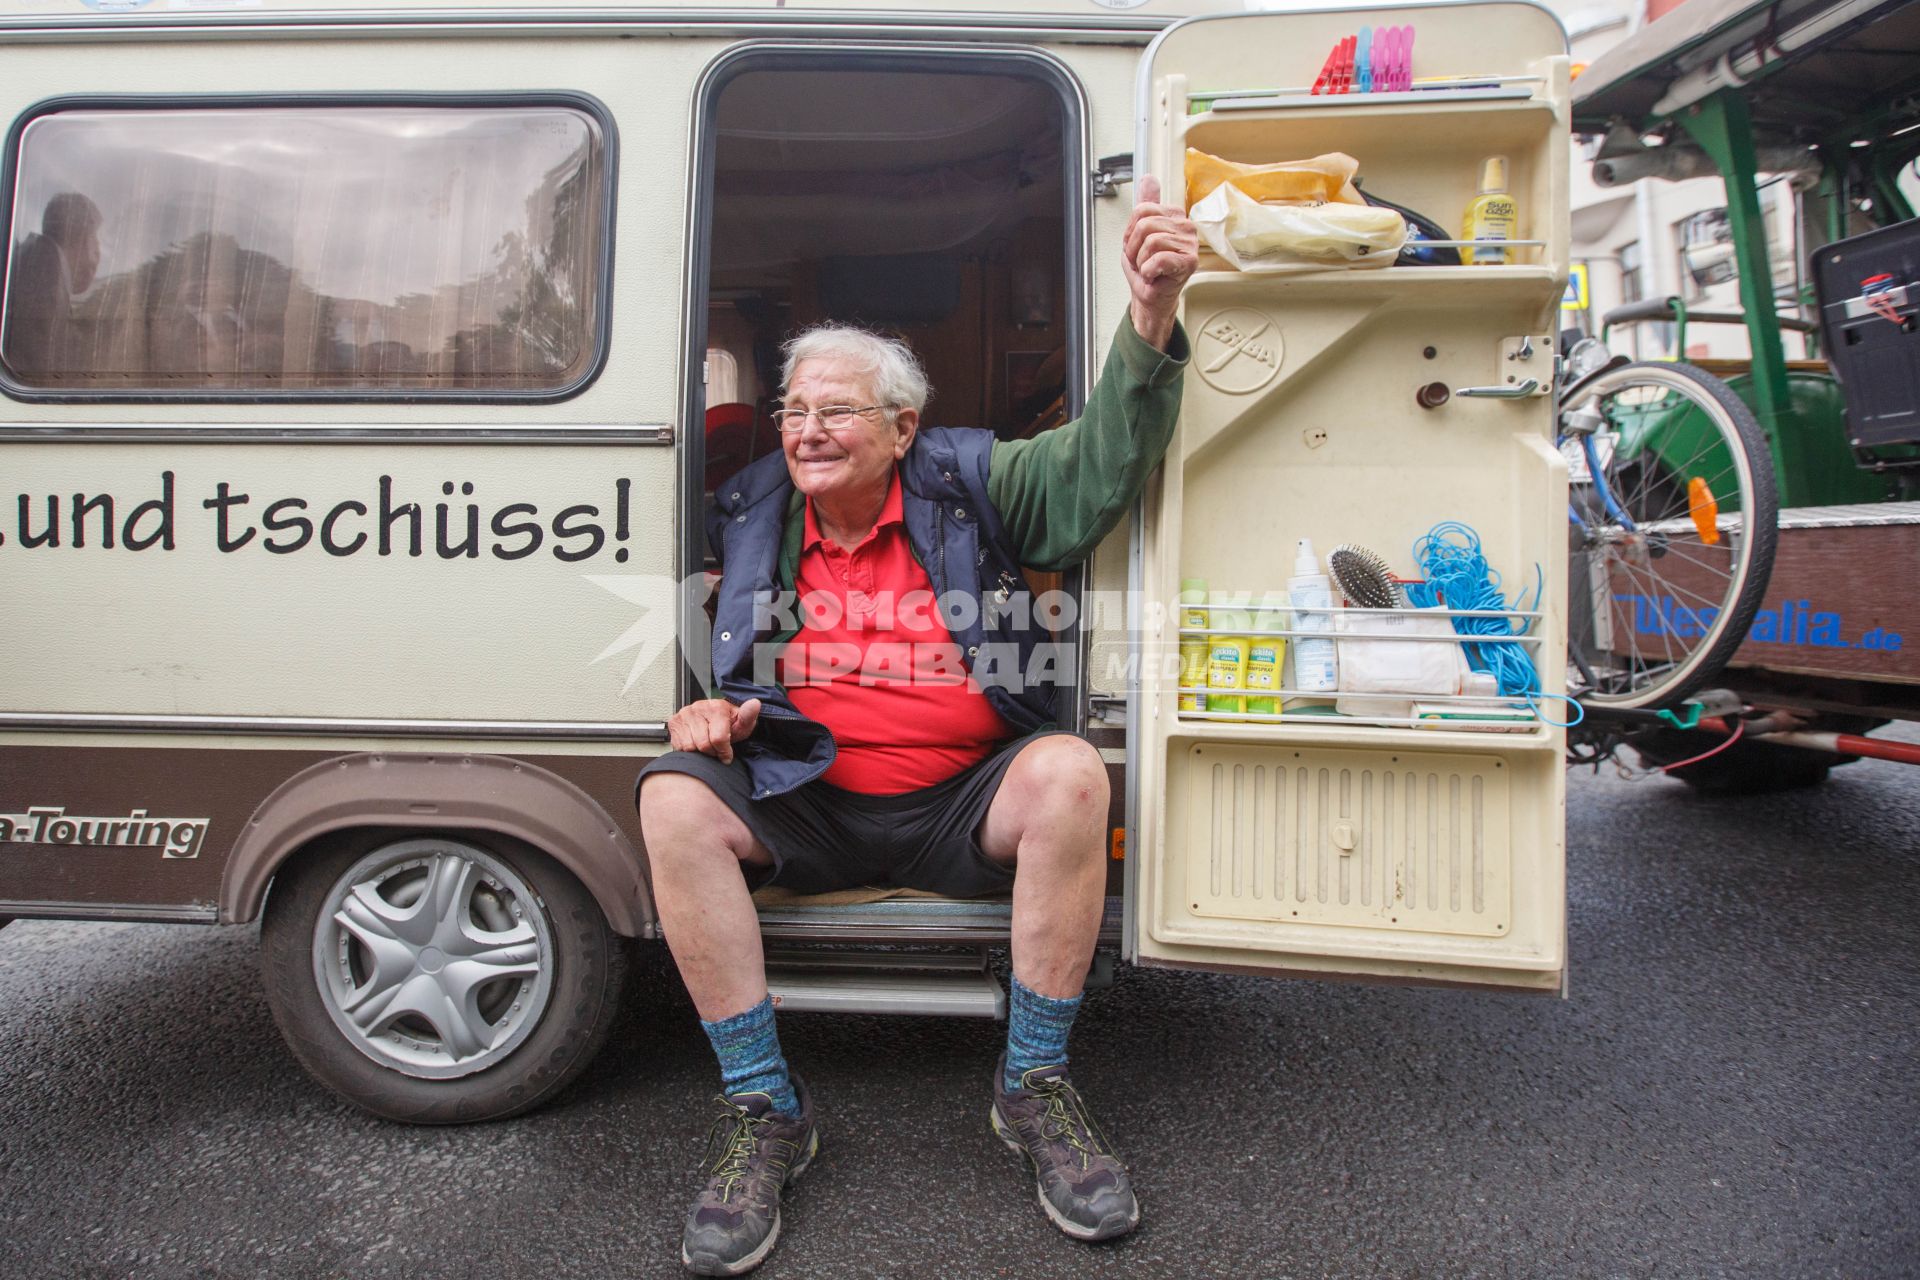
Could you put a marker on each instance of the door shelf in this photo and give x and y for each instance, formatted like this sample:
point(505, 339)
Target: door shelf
point(1496, 119)
point(1421, 155)
point(1309, 731)
point(1482, 88)
point(1449, 287)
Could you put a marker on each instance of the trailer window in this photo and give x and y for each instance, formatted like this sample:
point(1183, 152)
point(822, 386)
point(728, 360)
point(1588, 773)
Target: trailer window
point(311, 252)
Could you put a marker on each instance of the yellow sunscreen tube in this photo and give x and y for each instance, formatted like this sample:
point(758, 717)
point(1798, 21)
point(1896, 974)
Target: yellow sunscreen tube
point(1264, 657)
point(1227, 652)
point(1193, 648)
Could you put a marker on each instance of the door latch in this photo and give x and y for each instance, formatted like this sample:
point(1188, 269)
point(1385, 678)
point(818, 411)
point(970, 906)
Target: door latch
point(1112, 173)
point(1518, 391)
point(1519, 355)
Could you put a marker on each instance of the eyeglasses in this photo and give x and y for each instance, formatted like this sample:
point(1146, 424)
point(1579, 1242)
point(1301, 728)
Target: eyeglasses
point(834, 417)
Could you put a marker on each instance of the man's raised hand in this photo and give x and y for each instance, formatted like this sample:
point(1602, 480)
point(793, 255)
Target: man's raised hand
point(712, 726)
point(1160, 251)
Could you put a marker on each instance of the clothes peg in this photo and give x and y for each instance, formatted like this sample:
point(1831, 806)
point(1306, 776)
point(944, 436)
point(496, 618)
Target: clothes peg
point(1324, 82)
point(1363, 64)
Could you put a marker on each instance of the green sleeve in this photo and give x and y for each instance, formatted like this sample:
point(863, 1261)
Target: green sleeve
point(1060, 492)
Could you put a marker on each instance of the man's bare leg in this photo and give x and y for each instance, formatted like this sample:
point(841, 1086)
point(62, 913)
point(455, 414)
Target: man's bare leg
point(1048, 820)
point(695, 847)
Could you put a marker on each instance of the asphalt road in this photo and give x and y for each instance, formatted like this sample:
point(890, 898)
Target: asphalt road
point(1730, 1091)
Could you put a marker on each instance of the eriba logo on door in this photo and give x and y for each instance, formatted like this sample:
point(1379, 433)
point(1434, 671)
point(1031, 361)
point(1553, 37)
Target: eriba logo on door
point(52, 824)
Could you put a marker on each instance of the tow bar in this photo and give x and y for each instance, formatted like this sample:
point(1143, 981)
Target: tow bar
point(1710, 711)
point(1844, 744)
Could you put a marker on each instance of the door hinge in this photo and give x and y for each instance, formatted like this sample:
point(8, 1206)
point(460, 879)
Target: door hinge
point(1111, 174)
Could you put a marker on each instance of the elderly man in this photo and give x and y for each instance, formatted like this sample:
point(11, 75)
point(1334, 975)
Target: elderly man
point(864, 741)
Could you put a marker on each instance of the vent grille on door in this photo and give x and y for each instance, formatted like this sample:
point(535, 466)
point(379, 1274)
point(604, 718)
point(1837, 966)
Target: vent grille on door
point(1395, 840)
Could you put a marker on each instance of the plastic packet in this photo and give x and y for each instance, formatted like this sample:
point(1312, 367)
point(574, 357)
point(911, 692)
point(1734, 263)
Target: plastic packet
point(1264, 237)
point(1291, 214)
point(1321, 179)
point(1407, 666)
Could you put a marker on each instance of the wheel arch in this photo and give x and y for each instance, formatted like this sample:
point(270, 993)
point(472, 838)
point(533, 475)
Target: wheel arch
point(451, 792)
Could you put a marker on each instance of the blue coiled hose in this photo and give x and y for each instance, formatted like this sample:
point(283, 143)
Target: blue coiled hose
point(1458, 576)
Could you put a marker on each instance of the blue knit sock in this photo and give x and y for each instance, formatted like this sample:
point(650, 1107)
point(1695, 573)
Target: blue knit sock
point(1037, 1029)
point(750, 1058)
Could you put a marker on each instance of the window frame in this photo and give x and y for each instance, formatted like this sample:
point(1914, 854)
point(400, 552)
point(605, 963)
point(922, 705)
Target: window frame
point(566, 99)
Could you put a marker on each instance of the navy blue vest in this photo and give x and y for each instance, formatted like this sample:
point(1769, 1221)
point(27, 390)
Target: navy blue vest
point(956, 535)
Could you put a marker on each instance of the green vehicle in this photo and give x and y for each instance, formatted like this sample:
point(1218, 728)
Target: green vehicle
point(1739, 529)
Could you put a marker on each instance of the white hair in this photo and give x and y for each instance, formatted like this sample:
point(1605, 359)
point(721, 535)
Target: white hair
point(892, 371)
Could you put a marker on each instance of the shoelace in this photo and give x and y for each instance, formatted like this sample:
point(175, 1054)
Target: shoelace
point(731, 1167)
point(1067, 1120)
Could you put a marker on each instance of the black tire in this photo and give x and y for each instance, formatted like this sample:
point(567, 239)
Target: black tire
point(1743, 769)
point(1655, 495)
point(583, 963)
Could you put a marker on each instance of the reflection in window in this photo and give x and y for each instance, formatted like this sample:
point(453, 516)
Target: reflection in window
point(1706, 251)
point(309, 249)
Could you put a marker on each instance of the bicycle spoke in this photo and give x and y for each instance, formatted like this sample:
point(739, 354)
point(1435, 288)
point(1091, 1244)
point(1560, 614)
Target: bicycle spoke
point(1666, 638)
point(1707, 566)
point(1665, 586)
point(1639, 503)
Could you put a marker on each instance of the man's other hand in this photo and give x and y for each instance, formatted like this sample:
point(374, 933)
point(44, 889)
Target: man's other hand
point(712, 726)
point(1160, 252)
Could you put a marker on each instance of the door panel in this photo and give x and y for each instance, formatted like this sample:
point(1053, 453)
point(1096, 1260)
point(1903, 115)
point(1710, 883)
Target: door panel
point(1312, 843)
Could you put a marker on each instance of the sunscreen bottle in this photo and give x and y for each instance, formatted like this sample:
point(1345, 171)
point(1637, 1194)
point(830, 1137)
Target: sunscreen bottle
point(1265, 656)
point(1226, 657)
point(1193, 646)
point(1491, 216)
point(1315, 668)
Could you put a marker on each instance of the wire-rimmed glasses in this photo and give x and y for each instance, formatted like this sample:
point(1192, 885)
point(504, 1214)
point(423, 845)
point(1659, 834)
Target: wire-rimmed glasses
point(834, 417)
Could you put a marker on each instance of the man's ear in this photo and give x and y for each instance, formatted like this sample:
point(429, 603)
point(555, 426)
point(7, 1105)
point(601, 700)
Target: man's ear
point(906, 423)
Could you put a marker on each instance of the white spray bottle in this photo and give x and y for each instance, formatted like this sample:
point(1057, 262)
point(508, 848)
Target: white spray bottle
point(1315, 665)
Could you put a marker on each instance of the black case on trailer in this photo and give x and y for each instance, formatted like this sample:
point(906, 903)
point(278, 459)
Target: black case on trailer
point(1875, 357)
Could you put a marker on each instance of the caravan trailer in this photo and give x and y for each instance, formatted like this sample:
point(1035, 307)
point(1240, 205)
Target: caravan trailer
point(356, 441)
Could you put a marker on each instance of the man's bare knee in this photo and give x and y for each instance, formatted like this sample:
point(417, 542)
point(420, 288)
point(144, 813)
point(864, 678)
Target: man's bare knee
point(681, 817)
point(1055, 781)
point(1066, 774)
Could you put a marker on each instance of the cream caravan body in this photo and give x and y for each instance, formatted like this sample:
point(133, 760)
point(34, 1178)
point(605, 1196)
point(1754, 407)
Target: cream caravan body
point(351, 531)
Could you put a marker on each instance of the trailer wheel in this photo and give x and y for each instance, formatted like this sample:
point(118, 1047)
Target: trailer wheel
point(441, 977)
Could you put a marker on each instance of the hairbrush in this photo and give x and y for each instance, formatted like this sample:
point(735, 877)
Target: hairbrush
point(1364, 579)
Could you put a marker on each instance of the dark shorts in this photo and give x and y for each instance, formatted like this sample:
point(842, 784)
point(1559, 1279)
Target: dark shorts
point(823, 838)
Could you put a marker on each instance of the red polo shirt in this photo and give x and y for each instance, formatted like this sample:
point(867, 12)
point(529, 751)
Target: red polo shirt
point(874, 663)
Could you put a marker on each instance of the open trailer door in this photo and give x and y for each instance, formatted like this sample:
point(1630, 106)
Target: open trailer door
point(1370, 846)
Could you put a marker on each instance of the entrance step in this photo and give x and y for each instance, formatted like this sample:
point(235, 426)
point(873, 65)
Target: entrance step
point(884, 982)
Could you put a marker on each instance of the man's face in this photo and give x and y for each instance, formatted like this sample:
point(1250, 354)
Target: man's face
point(853, 465)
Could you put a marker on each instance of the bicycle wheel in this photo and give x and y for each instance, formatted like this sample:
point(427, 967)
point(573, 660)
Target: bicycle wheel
point(1673, 517)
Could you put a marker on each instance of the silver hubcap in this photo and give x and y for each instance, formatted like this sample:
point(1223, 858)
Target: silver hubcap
point(433, 958)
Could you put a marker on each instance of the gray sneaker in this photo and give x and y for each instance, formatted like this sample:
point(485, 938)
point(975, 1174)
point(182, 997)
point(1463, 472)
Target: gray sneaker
point(1082, 1184)
point(736, 1218)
